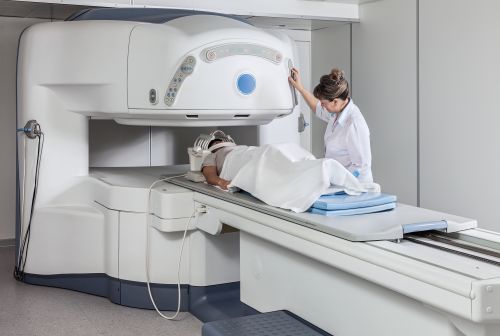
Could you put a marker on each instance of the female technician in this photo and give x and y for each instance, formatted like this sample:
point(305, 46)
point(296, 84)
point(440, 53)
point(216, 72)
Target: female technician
point(347, 137)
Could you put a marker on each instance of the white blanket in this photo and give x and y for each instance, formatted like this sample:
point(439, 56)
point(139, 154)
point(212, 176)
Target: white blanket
point(287, 176)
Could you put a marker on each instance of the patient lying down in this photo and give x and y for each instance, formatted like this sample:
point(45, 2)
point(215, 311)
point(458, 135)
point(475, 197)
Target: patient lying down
point(283, 175)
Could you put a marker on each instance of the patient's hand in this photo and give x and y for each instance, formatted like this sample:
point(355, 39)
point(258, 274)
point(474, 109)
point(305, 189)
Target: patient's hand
point(223, 183)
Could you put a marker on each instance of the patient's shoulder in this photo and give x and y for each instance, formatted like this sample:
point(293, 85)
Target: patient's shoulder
point(209, 160)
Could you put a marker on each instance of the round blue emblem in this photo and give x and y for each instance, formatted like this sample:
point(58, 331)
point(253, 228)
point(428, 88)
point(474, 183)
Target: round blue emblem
point(246, 83)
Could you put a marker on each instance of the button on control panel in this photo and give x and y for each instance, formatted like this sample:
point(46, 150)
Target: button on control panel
point(153, 96)
point(184, 70)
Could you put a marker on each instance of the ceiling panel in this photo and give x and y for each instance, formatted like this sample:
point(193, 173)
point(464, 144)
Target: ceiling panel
point(294, 24)
point(39, 10)
point(26, 9)
point(352, 2)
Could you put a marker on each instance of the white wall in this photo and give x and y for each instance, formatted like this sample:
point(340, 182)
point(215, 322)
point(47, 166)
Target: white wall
point(10, 30)
point(459, 108)
point(384, 81)
point(425, 74)
point(330, 48)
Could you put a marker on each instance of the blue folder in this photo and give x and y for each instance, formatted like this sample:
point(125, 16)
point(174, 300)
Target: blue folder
point(343, 201)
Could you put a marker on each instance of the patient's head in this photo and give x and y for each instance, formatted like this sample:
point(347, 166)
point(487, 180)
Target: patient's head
point(213, 143)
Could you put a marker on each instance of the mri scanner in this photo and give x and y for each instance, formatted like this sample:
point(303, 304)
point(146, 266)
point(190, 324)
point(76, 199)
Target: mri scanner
point(85, 228)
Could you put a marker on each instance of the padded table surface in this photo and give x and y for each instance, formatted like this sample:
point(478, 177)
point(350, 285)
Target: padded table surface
point(386, 225)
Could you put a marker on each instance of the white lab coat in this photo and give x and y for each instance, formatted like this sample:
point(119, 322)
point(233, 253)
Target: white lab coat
point(347, 139)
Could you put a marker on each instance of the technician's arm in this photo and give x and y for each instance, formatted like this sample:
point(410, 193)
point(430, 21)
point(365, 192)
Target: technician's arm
point(210, 173)
point(295, 80)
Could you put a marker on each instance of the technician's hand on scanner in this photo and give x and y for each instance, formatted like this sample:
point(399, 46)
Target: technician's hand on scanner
point(294, 79)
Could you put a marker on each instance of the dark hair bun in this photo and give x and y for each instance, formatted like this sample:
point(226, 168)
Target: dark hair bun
point(337, 75)
point(331, 86)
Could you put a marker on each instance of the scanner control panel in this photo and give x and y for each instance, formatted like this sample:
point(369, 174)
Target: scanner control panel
point(217, 52)
point(183, 71)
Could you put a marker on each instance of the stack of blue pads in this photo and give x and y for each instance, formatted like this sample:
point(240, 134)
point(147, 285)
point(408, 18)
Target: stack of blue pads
point(342, 204)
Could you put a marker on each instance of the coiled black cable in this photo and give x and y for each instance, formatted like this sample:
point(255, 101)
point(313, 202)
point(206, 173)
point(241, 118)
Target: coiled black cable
point(24, 245)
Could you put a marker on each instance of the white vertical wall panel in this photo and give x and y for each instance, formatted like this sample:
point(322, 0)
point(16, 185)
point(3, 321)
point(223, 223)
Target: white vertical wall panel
point(330, 48)
point(384, 82)
point(460, 113)
point(10, 30)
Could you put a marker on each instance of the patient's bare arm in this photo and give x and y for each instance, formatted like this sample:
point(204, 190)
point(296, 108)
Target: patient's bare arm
point(210, 173)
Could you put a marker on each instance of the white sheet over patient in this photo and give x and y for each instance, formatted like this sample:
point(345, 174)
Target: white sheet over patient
point(286, 175)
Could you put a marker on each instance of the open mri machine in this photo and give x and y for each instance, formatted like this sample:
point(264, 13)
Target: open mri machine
point(91, 229)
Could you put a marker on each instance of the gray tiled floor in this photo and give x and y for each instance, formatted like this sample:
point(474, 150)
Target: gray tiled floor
point(34, 310)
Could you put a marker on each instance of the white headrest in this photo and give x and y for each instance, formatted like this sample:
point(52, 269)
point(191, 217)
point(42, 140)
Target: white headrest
point(220, 145)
